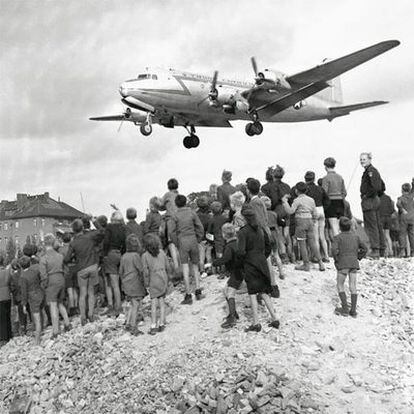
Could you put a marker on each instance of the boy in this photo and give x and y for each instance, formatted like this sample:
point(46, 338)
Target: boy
point(229, 259)
point(405, 206)
point(132, 227)
point(214, 228)
point(187, 231)
point(347, 250)
point(304, 208)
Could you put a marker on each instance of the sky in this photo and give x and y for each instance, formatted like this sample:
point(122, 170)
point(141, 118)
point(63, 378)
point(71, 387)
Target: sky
point(62, 62)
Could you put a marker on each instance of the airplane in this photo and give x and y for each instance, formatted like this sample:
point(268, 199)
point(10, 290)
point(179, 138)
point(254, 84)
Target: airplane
point(176, 98)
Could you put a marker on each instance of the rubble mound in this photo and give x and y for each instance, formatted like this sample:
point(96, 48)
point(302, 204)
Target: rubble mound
point(316, 362)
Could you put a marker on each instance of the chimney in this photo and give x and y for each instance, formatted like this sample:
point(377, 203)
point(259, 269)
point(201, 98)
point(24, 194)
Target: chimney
point(21, 200)
point(47, 194)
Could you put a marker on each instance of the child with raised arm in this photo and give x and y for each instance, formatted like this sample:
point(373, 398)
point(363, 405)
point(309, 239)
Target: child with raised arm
point(347, 250)
point(131, 274)
point(156, 269)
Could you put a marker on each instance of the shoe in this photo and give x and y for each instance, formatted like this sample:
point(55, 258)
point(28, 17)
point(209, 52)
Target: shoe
point(303, 267)
point(153, 331)
point(54, 336)
point(67, 328)
point(275, 292)
point(128, 328)
point(198, 294)
point(282, 276)
point(136, 332)
point(109, 311)
point(188, 299)
point(353, 312)
point(321, 266)
point(343, 310)
point(340, 311)
point(325, 260)
point(91, 318)
point(161, 328)
point(83, 321)
point(274, 324)
point(230, 322)
point(254, 328)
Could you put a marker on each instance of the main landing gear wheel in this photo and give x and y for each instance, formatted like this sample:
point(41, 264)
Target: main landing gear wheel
point(191, 141)
point(254, 128)
point(145, 129)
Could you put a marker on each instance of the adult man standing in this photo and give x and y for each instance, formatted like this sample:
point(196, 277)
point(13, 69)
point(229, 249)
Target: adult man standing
point(371, 186)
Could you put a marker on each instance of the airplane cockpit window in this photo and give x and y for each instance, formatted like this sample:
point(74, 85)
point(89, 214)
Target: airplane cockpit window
point(144, 76)
point(154, 77)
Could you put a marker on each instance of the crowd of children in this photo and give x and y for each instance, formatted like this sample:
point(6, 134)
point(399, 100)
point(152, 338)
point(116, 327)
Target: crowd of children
point(240, 232)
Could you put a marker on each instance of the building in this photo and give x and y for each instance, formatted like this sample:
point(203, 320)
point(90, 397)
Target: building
point(33, 216)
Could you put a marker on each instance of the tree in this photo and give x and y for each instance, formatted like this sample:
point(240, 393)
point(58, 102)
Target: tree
point(10, 250)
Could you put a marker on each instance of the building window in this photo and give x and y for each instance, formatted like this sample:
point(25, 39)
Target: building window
point(17, 240)
point(34, 223)
point(5, 226)
point(17, 224)
point(43, 222)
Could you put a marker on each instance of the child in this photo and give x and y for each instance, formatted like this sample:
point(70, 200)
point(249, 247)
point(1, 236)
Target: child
point(205, 248)
point(132, 227)
point(347, 249)
point(272, 219)
point(15, 290)
point(405, 204)
point(304, 208)
point(51, 273)
point(156, 268)
point(237, 200)
point(130, 272)
point(188, 231)
point(69, 273)
point(229, 259)
point(214, 228)
point(153, 219)
point(5, 304)
point(32, 293)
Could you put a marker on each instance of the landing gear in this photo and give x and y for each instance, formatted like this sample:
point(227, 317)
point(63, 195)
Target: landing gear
point(146, 127)
point(254, 128)
point(191, 141)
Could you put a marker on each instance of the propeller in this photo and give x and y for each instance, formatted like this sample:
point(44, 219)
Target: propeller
point(213, 94)
point(126, 115)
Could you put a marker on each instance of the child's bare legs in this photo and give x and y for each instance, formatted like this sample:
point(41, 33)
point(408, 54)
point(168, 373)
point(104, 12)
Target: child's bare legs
point(108, 291)
point(63, 312)
point(38, 326)
point(162, 311)
point(334, 224)
point(154, 306)
point(255, 313)
point(132, 313)
point(340, 284)
point(186, 275)
point(279, 264)
point(117, 294)
point(174, 255)
point(322, 239)
point(388, 242)
point(209, 250)
point(71, 299)
point(281, 242)
point(54, 314)
point(196, 276)
point(269, 306)
point(91, 299)
point(202, 254)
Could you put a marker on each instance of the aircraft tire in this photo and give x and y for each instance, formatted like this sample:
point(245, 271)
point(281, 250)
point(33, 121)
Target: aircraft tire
point(257, 128)
point(187, 142)
point(195, 141)
point(145, 129)
point(249, 129)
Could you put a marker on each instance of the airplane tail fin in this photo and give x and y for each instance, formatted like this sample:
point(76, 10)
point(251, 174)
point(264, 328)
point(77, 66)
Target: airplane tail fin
point(336, 111)
point(333, 93)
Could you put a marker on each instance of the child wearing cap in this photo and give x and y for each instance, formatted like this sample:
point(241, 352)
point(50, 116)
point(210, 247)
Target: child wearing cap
point(214, 228)
point(131, 274)
point(237, 201)
point(225, 190)
point(232, 264)
point(205, 248)
point(153, 219)
point(347, 250)
point(156, 269)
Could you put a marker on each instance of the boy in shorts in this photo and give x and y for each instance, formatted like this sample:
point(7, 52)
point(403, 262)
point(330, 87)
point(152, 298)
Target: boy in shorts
point(187, 231)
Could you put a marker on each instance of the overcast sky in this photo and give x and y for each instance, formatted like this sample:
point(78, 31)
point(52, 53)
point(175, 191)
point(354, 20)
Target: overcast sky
point(62, 62)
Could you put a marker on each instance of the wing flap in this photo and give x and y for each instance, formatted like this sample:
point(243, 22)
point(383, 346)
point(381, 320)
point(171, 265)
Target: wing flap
point(337, 111)
point(336, 67)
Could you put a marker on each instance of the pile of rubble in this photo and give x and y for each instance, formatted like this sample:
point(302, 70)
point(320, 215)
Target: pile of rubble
point(316, 363)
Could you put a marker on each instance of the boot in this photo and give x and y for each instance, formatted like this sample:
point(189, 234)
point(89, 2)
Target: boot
point(275, 291)
point(321, 266)
point(254, 328)
point(343, 310)
point(235, 312)
point(188, 300)
point(354, 298)
point(231, 319)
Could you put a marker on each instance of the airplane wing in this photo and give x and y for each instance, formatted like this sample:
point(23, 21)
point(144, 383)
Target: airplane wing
point(309, 82)
point(220, 123)
point(109, 118)
point(347, 109)
point(182, 119)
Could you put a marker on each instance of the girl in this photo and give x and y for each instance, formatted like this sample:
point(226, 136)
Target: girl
point(156, 268)
point(153, 219)
point(130, 272)
point(236, 203)
point(253, 248)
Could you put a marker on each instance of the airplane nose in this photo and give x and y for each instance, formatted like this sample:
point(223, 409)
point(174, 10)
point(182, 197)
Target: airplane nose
point(123, 90)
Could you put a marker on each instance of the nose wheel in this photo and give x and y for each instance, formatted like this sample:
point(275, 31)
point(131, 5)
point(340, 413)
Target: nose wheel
point(192, 140)
point(254, 128)
point(145, 129)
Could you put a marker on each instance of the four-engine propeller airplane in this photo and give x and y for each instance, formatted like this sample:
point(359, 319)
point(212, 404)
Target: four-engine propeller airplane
point(173, 98)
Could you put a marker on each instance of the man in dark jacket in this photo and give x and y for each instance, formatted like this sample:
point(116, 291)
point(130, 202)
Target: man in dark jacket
point(371, 186)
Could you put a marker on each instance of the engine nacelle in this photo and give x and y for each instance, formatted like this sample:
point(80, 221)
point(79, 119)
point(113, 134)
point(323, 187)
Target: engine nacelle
point(277, 77)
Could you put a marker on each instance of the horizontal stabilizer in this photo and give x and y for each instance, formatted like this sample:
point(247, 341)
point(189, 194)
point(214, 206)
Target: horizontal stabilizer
point(347, 109)
point(109, 118)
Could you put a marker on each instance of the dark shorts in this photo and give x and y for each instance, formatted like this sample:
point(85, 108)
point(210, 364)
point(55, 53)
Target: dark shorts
point(219, 246)
point(235, 279)
point(36, 301)
point(112, 262)
point(386, 222)
point(55, 291)
point(305, 228)
point(88, 275)
point(188, 250)
point(70, 277)
point(336, 209)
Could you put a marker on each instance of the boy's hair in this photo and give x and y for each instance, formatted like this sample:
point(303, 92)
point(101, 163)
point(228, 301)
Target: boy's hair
point(14, 264)
point(29, 250)
point(226, 176)
point(329, 162)
point(49, 239)
point(267, 201)
point(320, 181)
point(131, 213)
point(66, 237)
point(155, 203)
point(269, 174)
point(406, 188)
point(237, 199)
point(24, 262)
point(172, 184)
point(132, 243)
point(86, 220)
point(309, 177)
point(345, 224)
point(202, 202)
point(77, 226)
point(228, 231)
point(368, 154)
point(301, 187)
point(101, 221)
point(253, 186)
point(216, 207)
point(152, 244)
point(180, 200)
point(116, 217)
point(278, 172)
point(213, 188)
